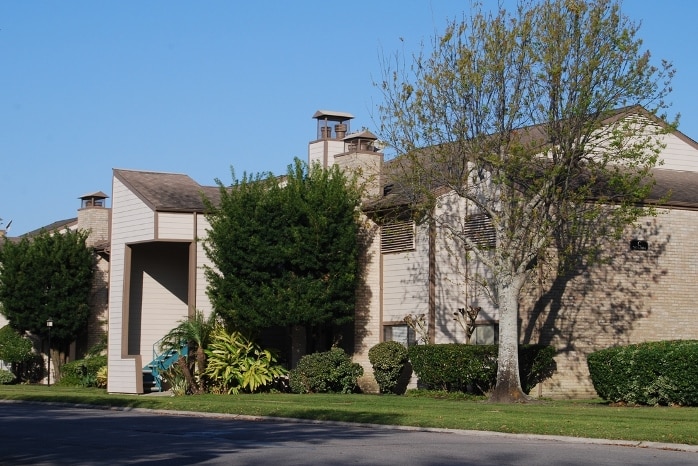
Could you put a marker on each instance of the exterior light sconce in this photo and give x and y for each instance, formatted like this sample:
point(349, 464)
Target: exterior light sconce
point(639, 245)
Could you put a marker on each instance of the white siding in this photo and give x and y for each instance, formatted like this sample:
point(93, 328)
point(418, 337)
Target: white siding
point(202, 302)
point(132, 220)
point(175, 225)
point(3, 322)
point(315, 152)
point(161, 311)
point(678, 154)
point(406, 280)
point(457, 273)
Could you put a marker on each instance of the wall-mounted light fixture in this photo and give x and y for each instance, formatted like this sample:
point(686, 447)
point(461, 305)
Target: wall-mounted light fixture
point(639, 245)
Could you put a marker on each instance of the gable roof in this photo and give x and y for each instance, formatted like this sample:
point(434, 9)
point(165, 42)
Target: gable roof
point(167, 192)
point(55, 226)
point(673, 188)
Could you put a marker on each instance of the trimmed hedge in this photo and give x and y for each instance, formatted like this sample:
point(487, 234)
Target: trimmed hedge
point(652, 373)
point(388, 360)
point(473, 368)
point(83, 372)
point(327, 372)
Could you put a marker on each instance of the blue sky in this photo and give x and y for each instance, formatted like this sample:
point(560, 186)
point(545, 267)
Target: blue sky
point(200, 87)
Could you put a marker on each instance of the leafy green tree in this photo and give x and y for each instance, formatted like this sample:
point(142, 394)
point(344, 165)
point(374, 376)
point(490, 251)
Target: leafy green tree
point(48, 276)
point(527, 117)
point(285, 250)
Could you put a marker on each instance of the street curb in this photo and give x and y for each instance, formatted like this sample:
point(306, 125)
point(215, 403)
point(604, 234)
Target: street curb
point(475, 433)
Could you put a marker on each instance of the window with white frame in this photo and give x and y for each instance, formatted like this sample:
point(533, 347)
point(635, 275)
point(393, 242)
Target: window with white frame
point(402, 333)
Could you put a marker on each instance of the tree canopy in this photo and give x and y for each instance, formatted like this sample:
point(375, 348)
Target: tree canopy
point(540, 120)
point(47, 276)
point(284, 249)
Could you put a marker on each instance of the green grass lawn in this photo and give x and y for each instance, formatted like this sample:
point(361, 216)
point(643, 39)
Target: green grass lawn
point(585, 418)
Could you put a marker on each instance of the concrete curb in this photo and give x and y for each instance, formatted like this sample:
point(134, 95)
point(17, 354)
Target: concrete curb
point(477, 433)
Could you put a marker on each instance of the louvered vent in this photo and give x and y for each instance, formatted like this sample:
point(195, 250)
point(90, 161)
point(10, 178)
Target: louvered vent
point(397, 237)
point(479, 228)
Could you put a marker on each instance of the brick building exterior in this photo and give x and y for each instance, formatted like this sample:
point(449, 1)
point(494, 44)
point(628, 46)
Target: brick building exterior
point(643, 294)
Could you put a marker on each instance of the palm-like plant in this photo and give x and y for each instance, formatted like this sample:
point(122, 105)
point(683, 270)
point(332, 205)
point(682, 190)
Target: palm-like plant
point(196, 332)
point(237, 363)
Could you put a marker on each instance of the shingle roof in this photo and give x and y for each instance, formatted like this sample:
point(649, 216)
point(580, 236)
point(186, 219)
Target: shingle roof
point(57, 225)
point(167, 192)
point(98, 194)
point(675, 188)
point(330, 113)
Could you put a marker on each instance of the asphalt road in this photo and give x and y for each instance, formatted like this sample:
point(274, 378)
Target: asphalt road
point(53, 434)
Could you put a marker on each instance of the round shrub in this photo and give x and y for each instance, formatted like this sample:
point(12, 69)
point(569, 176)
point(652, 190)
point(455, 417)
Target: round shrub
point(6, 377)
point(327, 372)
point(652, 373)
point(14, 347)
point(82, 373)
point(388, 359)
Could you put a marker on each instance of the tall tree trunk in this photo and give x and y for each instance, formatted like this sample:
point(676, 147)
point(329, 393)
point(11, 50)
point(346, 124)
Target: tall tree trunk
point(508, 388)
point(201, 368)
point(184, 366)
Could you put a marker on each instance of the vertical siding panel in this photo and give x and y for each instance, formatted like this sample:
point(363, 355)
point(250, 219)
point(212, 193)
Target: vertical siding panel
point(203, 303)
point(132, 220)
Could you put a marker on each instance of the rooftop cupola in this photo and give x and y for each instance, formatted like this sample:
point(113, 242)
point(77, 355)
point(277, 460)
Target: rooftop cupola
point(332, 125)
point(363, 141)
point(94, 216)
point(332, 128)
point(97, 199)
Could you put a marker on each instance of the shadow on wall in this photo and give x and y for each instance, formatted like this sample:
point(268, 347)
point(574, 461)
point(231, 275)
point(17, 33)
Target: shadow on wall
point(363, 336)
point(592, 307)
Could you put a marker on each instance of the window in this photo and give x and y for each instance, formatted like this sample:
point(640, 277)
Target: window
point(397, 237)
point(485, 334)
point(401, 333)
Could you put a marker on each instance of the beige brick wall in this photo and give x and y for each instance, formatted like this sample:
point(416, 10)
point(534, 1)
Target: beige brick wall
point(96, 221)
point(98, 301)
point(638, 296)
point(368, 310)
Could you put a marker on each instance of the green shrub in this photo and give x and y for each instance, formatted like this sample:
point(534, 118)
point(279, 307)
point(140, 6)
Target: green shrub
point(175, 379)
point(14, 347)
point(455, 367)
point(82, 373)
point(328, 372)
point(236, 363)
point(388, 359)
point(101, 377)
point(473, 368)
point(653, 373)
point(536, 363)
point(6, 377)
